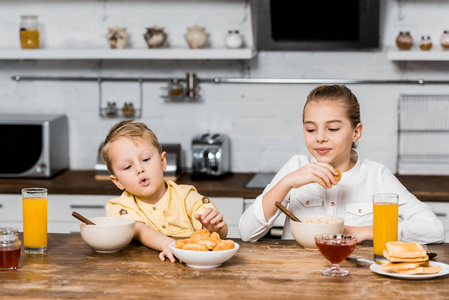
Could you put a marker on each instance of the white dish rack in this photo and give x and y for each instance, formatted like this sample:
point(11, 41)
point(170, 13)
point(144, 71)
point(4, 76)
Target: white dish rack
point(423, 137)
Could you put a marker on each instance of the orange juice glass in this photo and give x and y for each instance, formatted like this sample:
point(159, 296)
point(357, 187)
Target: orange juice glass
point(34, 207)
point(385, 223)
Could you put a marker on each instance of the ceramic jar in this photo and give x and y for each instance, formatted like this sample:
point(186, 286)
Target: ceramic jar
point(155, 37)
point(233, 39)
point(117, 37)
point(444, 40)
point(196, 37)
point(426, 43)
point(404, 40)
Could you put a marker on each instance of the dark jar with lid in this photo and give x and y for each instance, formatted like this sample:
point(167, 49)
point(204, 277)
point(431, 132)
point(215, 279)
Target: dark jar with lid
point(426, 43)
point(404, 41)
point(10, 247)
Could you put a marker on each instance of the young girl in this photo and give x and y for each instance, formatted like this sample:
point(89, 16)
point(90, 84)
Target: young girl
point(331, 119)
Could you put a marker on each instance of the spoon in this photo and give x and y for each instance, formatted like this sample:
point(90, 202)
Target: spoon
point(82, 219)
point(286, 211)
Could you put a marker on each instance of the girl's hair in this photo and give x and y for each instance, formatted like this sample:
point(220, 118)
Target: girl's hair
point(336, 92)
point(129, 130)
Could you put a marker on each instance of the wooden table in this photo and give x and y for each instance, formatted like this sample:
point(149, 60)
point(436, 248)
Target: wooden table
point(268, 269)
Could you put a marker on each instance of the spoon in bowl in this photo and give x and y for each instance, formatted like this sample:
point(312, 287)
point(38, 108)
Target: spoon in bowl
point(286, 211)
point(82, 219)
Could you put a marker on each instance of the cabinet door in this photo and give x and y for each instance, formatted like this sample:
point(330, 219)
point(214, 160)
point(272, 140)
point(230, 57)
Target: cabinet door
point(441, 209)
point(10, 209)
point(231, 209)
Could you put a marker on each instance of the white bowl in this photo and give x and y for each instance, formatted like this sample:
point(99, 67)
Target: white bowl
point(304, 233)
point(109, 234)
point(203, 259)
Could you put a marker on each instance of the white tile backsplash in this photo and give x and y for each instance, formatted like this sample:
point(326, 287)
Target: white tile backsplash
point(262, 120)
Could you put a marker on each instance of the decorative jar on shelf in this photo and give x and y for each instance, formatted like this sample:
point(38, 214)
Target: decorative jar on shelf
point(426, 43)
point(233, 39)
point(155, 37)
point(117, 37)
point(29, 32)
point(196, 37)
point(404, 40)
point(444, 40)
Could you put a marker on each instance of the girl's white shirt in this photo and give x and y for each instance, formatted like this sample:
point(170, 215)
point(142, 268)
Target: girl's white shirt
point(350, 199)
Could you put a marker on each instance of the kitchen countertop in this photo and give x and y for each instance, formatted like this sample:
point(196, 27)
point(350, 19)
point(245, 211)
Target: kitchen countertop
point(426, 188)
point(267, 269)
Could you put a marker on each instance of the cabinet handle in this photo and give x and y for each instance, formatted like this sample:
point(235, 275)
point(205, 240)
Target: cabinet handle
point(1, 205)
point(86, 206)
point(441, 214)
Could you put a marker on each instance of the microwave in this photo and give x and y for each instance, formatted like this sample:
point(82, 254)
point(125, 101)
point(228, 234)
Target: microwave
point(33, 145)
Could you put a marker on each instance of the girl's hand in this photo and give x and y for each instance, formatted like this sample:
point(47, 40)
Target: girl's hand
point(314, 172)
point(363, 233)
point(211, 219)
point(167, 253)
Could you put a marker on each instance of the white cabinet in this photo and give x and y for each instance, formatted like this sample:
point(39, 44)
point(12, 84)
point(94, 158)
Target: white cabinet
point(441, 209)
point(60, 208)
point(231, 209)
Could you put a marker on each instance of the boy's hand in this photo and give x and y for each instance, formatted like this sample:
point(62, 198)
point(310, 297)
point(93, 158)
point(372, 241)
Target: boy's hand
point(167, 253)
point(211, 219)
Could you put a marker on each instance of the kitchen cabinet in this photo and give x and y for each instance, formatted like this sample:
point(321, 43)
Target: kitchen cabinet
point(60, 208)
point(441, 209)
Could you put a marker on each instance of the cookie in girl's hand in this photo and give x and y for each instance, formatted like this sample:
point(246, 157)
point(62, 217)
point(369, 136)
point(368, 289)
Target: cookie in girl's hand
point(338, 176)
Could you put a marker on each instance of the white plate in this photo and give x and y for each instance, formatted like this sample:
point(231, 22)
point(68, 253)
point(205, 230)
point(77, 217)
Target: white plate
point(376, 268)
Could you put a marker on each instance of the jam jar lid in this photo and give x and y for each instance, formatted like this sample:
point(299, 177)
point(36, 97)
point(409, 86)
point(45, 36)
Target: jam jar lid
point(8, 234)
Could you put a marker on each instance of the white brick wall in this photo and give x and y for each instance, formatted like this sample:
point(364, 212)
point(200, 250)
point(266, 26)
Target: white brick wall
point(263, 121)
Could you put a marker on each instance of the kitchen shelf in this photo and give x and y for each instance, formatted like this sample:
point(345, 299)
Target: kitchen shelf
point(128, 54)
point(437, 53)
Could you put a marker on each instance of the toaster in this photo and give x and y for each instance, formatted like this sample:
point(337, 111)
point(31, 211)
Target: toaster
point(211, 155)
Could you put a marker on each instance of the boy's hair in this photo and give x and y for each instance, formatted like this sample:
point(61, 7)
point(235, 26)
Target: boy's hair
point(129, 130)
point(336, 92)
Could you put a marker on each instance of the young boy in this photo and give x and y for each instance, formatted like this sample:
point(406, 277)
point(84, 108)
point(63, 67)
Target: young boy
point(162, 209)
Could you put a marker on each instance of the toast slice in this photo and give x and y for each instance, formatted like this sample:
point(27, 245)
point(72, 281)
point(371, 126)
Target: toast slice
point(405, 250)
point(401, 259)
point(398, 267)
point(421, 270)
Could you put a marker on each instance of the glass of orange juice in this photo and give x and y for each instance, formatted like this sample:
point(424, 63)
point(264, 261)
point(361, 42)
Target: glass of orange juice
point(385, 223)
point(34, 207)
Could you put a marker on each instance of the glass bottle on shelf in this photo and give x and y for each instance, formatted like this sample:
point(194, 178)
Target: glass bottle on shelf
point(426, 43)
point(444, 40)
point(404, 40)
point(29, 32)
point(175, 88)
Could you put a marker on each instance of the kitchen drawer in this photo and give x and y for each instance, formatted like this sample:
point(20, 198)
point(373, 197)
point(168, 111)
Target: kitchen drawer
point(60, 207)
point(10, 208)
point(231, 209)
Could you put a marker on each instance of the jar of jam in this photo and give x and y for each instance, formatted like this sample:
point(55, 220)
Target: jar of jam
point(404, 41)
point(10, 246)
point(426, 43)
point(29, 32)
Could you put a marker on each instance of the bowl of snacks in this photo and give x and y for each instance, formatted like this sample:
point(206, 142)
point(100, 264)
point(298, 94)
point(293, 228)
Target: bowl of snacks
point(109, 234)
point(204, 249)
point(305, 231)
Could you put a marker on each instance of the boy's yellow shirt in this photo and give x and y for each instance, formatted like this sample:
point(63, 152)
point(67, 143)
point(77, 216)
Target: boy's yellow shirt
point(173, 215)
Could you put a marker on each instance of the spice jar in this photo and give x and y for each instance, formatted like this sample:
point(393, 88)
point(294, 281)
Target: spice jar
point(175, 87)
point(444, 40)
point(29, 32)
point(404, 41)
point(426, 43)
point(233, 39)
point(10, 246)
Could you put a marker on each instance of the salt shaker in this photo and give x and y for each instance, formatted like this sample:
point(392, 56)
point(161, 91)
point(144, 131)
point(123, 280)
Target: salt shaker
point(426, 43)
point(444, 40)
point(10, 247)
point(233, 39)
